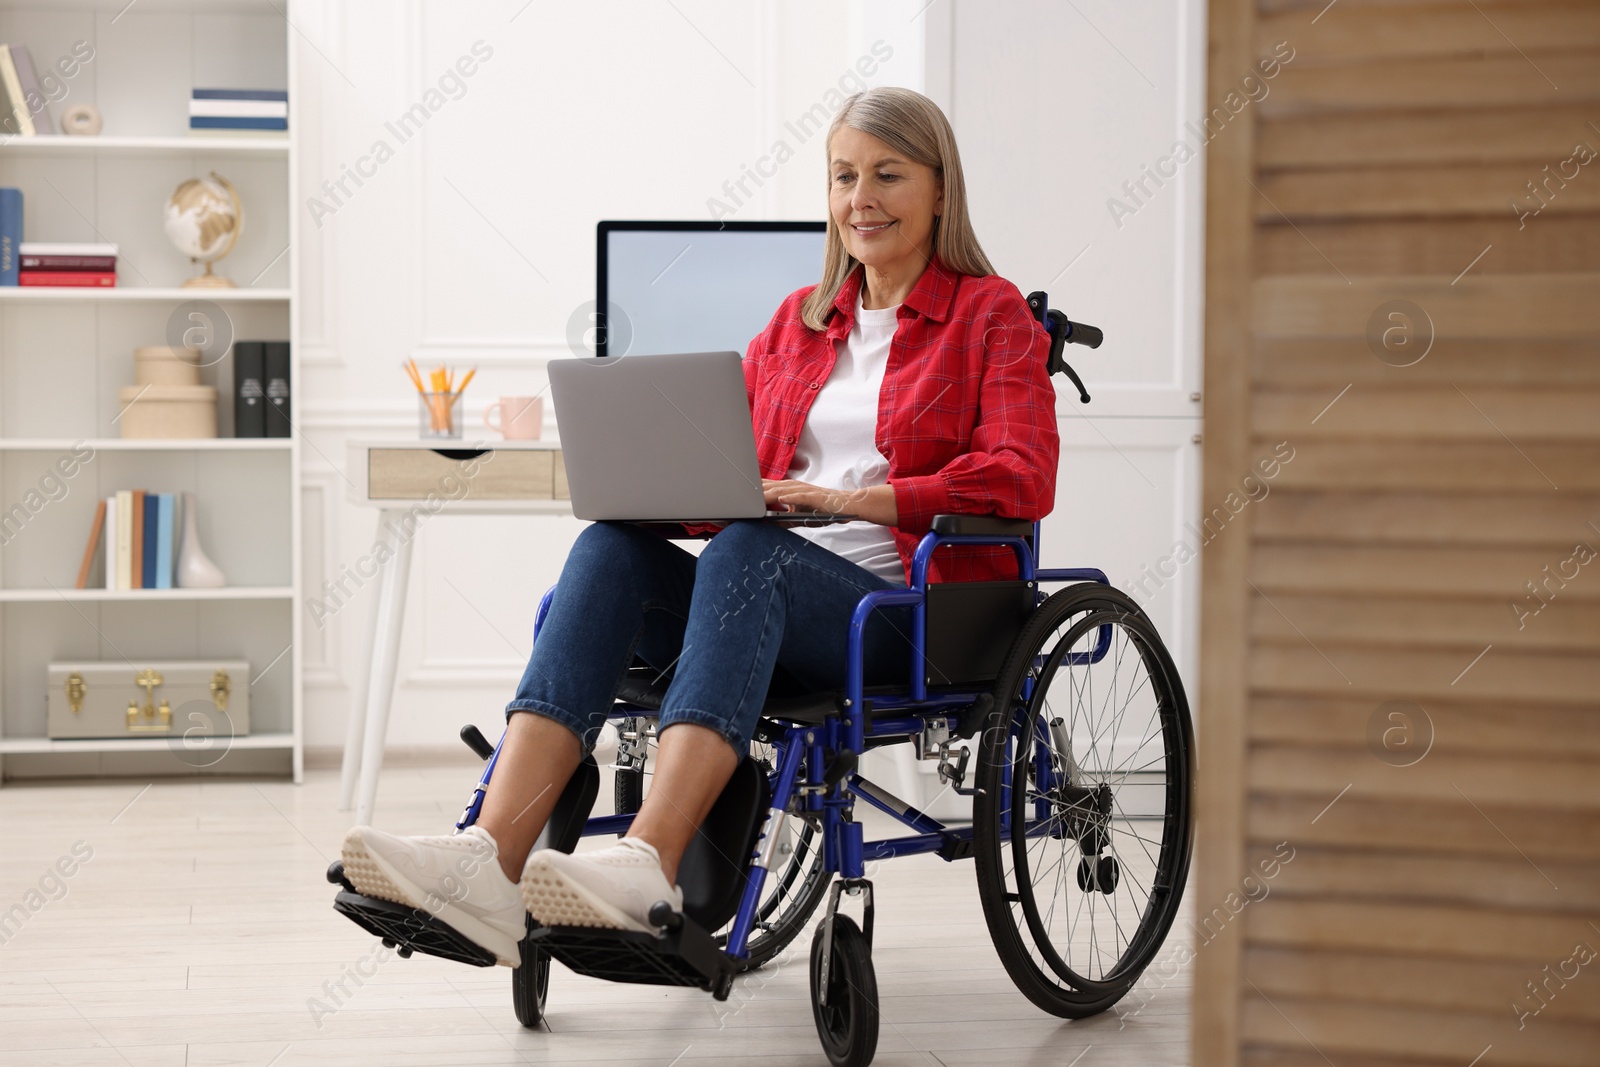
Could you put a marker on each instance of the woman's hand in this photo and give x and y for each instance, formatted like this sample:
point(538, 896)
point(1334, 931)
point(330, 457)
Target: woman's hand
point(874, 505)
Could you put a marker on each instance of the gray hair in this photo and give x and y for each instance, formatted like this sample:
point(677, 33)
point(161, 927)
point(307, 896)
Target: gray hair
point(913, 126)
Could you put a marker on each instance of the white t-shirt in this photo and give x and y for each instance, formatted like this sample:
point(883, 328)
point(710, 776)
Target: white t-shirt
point(838, 447)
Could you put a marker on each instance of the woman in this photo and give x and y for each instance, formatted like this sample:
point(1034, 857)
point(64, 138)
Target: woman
point(910, 382)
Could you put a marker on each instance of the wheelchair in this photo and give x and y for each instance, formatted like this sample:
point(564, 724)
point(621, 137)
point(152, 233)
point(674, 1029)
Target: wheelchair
point(1061, 716)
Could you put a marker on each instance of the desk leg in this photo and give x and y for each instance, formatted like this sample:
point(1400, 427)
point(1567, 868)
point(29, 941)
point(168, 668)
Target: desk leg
point(355, 727)
point(391, 611)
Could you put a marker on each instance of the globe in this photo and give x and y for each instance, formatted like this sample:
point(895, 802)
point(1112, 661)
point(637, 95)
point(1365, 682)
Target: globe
point(203, 218)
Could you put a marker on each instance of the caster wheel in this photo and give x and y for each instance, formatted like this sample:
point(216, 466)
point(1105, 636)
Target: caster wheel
point(1098, 874)
point(1108, 873)
point(848, 1022)
point(529, 985)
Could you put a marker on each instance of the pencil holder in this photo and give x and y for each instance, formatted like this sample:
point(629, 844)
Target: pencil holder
point(439, 415)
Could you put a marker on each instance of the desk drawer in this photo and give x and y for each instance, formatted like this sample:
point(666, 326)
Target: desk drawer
point(498, 474)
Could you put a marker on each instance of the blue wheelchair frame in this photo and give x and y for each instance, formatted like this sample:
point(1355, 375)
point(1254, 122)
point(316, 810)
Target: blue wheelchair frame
point(845, 851)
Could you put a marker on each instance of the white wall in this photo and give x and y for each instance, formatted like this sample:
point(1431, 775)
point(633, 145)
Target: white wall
point(474, 244)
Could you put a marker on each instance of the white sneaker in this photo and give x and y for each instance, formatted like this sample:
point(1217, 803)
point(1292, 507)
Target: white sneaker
point(612, 887)
point(456, 878)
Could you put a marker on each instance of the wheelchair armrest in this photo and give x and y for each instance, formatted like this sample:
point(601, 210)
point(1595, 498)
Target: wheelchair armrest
point(981, 526)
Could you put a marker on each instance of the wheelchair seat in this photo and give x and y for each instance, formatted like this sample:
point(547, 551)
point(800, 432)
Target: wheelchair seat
point(787, 700)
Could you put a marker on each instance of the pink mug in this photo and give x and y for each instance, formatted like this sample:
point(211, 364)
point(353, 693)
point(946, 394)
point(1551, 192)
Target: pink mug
point(521, 417)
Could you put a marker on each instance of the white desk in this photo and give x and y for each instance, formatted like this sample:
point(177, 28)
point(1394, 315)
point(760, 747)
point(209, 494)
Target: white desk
point(397, 477)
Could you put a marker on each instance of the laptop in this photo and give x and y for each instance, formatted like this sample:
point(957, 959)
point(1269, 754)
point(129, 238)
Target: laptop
point(662, 438)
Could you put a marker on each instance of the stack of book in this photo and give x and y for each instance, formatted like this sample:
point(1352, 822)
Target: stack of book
point(141, 531)
point(47, 263)
point(24, 110)
point(239, 112)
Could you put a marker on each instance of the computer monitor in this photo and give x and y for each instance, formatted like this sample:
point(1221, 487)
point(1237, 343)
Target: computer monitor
point(697, 286)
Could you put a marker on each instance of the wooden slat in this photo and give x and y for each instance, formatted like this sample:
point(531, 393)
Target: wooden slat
point(1491, 782)
point(1432, 930)
point(1510, 135)
point(1432, 412)
point(1398, 570)
point(1445, 190)
point(1337, 362)
point(1411, 621)
point(1432, 467)
point(1438, 827)
point(1338, 1030)
point(1224, 609)
point(1426, 674)
point(1422, 982)
point(1474, 82)
point(1365, 34)
point(1359, 874)
point(1476, 729)
point(1518, 306)
point(1445, 247)
point(1559, 520)
point(1306, 1056)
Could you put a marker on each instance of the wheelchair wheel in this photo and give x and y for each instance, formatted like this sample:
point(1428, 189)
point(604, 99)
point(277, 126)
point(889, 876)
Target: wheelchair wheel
point(848, 1022)
point(628, 791)
point(628, 787)
point(1083, 823)
point(530, 983)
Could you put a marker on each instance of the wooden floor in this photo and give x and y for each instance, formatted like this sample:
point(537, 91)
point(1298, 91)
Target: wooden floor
point(199, 933)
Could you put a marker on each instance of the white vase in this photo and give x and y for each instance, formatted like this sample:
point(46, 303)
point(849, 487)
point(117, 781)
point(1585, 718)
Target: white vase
point(195, 569)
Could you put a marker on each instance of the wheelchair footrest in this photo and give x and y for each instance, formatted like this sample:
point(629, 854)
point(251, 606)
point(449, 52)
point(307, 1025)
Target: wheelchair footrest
point(684, 955)
point(410, 929)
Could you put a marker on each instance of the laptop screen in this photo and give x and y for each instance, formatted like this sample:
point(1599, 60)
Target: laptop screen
point(698, 286)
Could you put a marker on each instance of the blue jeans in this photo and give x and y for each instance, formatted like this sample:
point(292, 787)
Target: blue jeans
point(757, 598)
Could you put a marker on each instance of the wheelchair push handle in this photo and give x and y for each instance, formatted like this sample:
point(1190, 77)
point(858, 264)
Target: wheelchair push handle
point(1063, 331)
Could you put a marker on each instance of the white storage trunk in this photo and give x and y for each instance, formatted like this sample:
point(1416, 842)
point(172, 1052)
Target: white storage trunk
point(195, 698)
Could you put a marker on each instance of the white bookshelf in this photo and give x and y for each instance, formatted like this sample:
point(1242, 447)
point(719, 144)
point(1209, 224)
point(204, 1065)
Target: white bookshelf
point(65, 353)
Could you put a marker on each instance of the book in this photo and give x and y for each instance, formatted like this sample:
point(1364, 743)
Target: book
point(249, 389)
point(279, 413)
point(164, 540)
point(38, 103)
point(69, 248)
point(79, 279)
point(202, 122)
point(17, 120)
point(69, 263)
point(94, 540)
point(249, 109)
point(152, 540)
point(136, 542)
point(10, 235)
point(111, 542)
point(124, 538)
point(239, 94)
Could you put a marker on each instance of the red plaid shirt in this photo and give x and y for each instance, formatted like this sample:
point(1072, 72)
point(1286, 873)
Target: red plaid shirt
point(966, 412)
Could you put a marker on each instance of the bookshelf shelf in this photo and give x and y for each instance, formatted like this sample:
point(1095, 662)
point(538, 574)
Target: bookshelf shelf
point(239, 592)
point(147, 444)
point(129, 293)
point(146, 146)
point(24, 745)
